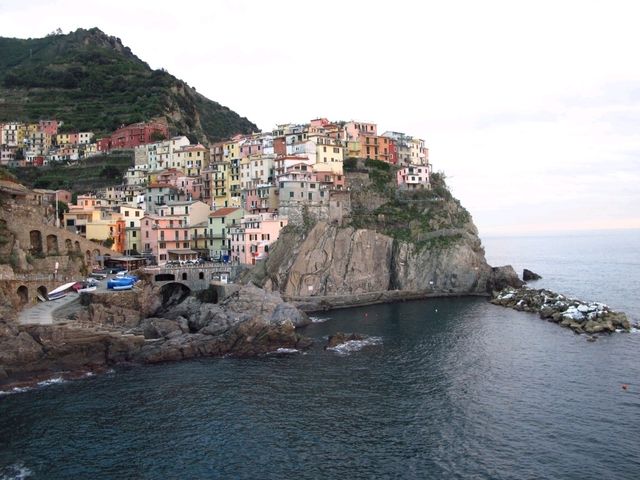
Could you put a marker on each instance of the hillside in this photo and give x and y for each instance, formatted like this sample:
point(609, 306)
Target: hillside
point(87, 175)
point(91, 81)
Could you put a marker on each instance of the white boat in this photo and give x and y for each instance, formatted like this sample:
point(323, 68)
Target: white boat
point(88, 289)
point(60, 292)
point(61, 289)
point(57, 295)
point(122, 287)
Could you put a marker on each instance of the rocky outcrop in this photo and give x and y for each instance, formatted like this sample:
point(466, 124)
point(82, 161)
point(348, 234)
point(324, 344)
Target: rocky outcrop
point(503, 277)
point(528, 275)
point(111, 331)
point(332, 261)
point(33, 351)
point(340, 337)
point(581, 317)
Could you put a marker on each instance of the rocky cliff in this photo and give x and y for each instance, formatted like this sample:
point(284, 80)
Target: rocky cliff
point(335, 260)
point(392, 245)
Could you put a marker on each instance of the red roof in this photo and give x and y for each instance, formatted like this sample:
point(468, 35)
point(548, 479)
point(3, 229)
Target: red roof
point(223, 212)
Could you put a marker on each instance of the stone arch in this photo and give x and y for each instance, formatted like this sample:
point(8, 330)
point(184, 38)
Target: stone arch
point(23, 294)
point(42, 291)
point(35, 237)
point(164, 277)
point(52, 244)
point(174, 293)
point(201, 275)
point(184, 275)
point(76, 245)
point(68, 245)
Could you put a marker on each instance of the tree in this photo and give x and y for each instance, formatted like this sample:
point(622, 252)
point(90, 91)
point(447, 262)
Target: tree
point(157, 136)
point(110, 172)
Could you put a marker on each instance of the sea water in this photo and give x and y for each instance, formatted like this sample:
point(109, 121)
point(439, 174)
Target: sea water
point(445, 388)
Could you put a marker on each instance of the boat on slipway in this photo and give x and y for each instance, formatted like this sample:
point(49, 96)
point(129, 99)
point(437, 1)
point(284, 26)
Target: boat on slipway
point(122, 283)
point(60, 292)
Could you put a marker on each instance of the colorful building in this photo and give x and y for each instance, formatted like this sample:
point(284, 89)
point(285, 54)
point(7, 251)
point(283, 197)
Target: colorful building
point(250, 241)
point(219, 224)
point(413, 177)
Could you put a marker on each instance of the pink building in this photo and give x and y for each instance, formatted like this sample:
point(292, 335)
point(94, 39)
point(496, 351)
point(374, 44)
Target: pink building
point(191, 186)
point(250, 146)
point(50, 127)
point(413, 177)
point(251, 240)
point(166, 238)
point(356, 129)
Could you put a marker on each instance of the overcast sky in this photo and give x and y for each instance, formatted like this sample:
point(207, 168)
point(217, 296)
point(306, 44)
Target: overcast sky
point(532, 109)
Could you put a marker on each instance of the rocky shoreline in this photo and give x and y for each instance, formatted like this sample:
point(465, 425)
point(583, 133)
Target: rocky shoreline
point(134, 328)
point(579, 316)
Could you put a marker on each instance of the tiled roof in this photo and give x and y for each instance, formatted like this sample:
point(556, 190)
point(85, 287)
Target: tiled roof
point(223, 212)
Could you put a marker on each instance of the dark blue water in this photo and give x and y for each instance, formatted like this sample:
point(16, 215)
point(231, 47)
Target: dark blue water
point(457, 388)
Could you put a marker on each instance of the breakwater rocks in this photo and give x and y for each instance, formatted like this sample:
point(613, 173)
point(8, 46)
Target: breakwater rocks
point(581, 317)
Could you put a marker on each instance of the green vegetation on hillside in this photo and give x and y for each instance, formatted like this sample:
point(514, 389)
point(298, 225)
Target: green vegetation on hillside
point(93, 83)
point(429, 218)
point(88, 175)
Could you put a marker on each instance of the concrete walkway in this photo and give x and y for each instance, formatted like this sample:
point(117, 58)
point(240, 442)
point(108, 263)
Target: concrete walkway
point(41, 313)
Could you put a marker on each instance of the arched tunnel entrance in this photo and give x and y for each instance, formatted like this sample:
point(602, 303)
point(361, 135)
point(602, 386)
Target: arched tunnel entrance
point(23, 294)
point(42, 293)
point(173, 293)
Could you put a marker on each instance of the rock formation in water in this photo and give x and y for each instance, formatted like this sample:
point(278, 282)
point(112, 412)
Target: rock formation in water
point(134, 327)
point(581, 317)
point(528, 275)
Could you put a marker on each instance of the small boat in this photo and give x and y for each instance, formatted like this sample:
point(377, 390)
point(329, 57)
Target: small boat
point(56, 296)
point(90, 288)
point(121, 282)
point(61, 291)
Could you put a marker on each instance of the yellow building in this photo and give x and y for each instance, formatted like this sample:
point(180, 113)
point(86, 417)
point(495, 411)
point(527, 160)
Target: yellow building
point(329, 155)
point(22, 133)
point(220, 183)
point(102, 225)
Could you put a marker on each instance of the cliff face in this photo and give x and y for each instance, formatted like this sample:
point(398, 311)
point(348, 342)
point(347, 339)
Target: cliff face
point(392, 245)
point(333, 260)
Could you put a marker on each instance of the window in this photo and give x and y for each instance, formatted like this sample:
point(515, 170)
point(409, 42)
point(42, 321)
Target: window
point(126, 213)
point(133, 234)
point(290, 194)
point(162, 245)
point(137, 213)
point(146, 234)
point(131, 224)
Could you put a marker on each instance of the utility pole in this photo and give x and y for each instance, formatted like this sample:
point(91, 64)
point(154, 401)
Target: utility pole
point(57, 216)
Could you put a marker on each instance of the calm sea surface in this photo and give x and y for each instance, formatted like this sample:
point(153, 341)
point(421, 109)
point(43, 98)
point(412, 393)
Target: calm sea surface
point(448, 388)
